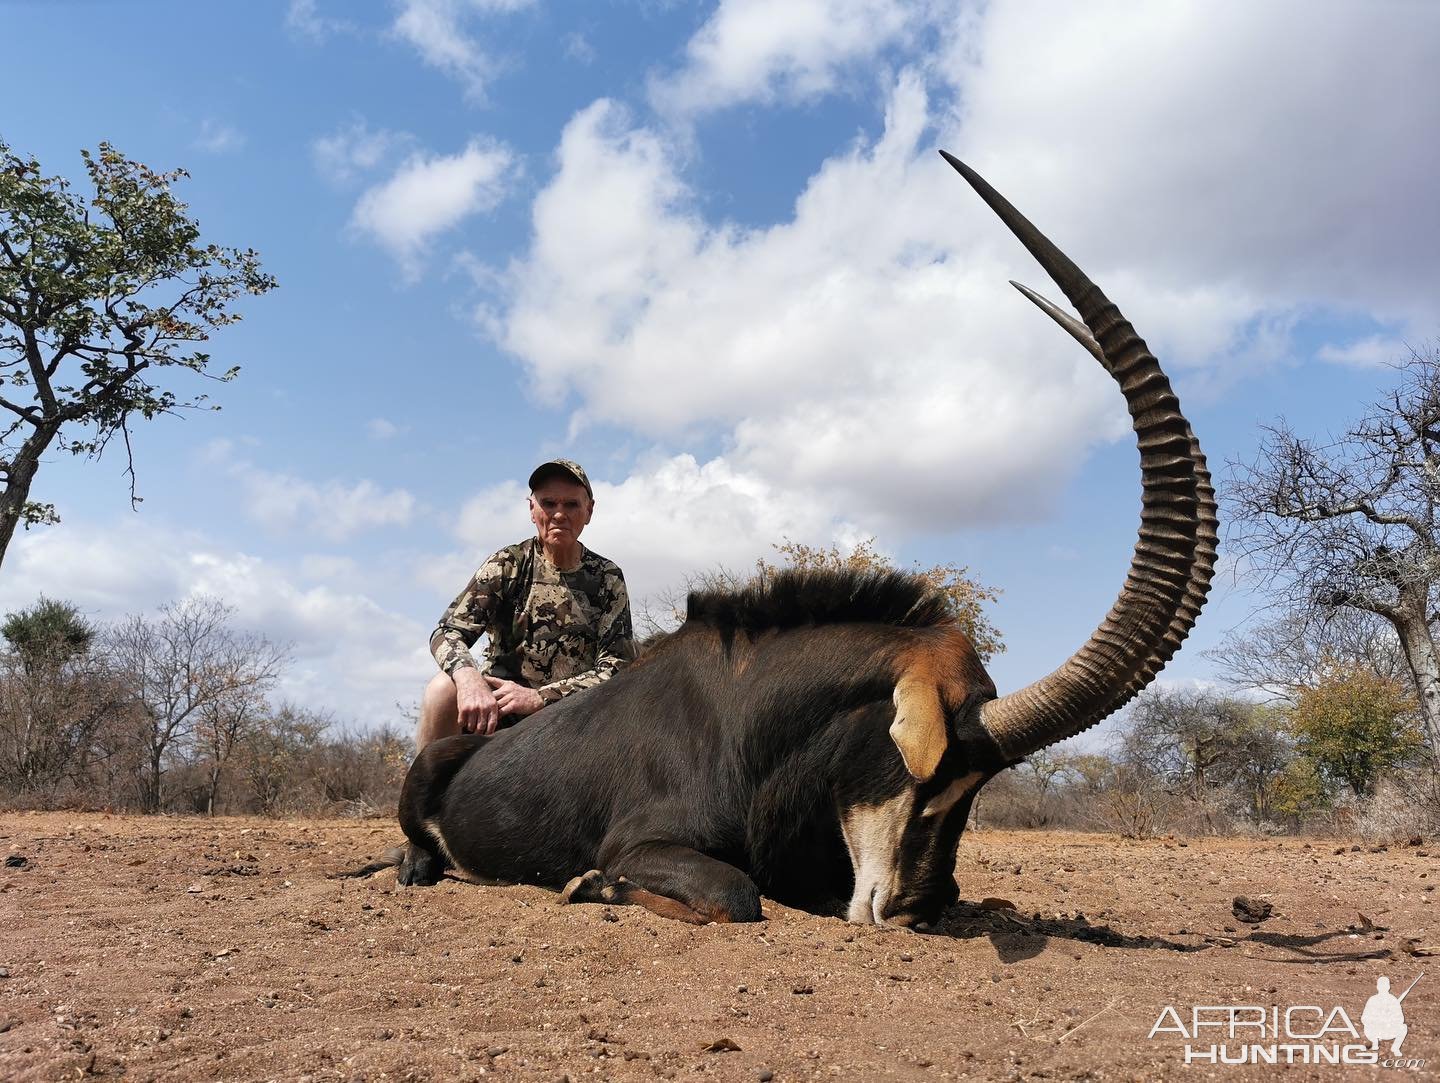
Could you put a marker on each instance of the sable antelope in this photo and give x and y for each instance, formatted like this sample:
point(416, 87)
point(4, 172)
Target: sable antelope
point(817, 737)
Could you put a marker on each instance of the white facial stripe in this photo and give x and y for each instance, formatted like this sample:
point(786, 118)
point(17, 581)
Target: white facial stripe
point(944, 801)
point(433, 826)
point(872, 834)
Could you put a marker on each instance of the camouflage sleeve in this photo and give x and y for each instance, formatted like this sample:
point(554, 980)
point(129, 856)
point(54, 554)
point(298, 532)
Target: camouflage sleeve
point(470, 615)
point(616, 646)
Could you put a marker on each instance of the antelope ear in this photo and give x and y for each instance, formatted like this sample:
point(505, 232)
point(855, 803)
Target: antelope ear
point(919, 727)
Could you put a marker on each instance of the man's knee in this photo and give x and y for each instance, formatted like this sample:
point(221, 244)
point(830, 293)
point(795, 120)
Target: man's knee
point(439, 711)
point(440, 692)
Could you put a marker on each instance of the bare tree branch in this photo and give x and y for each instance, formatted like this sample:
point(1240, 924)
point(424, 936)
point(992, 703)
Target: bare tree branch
point(1352, 524)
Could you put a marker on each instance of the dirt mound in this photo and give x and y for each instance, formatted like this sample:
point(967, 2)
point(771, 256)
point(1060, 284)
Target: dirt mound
point(195, 949)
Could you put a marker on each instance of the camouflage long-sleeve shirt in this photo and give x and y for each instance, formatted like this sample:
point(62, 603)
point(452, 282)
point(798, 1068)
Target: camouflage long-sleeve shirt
point(555, 631)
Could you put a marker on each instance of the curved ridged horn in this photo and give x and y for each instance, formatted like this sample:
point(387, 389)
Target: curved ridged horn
point(1207, 537)
point(1175, 553)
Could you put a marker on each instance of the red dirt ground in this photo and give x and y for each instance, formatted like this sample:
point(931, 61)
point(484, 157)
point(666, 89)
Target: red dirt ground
point(159, 948)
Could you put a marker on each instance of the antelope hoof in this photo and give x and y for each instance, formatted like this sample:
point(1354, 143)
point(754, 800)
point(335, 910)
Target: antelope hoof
point(584, 888)
point(420, 868)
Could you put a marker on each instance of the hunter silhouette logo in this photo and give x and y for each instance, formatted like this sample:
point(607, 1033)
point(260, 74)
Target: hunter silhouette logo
point(1298, 1034)
point(1383, 1018)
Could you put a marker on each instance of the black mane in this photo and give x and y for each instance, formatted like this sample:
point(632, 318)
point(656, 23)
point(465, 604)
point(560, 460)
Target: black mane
point(793, 597)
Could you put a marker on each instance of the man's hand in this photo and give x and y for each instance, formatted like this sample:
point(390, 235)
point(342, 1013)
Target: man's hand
point(514, 698)
point(479, 713)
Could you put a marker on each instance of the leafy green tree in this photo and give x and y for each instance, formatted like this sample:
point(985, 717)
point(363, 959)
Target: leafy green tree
point(55, 696)
point(98, 297)
point(1262, 752)
point(1352, 724)
point(275, 754)
point(1300, 790)
point(48, 629)
point(1090, 772)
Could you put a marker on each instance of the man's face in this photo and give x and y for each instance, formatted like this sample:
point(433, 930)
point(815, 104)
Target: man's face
point(559, 509)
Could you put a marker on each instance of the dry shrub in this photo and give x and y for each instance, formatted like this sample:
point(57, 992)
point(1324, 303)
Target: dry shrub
point(1405, 804)
point(360, 774)
point(1128, 800)
point(1205, 813)
point(1136, 811)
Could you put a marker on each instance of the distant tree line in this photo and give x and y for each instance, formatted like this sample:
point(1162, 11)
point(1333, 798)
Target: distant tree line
point(1319, 723)
point(173, 713)
point(1345, 754)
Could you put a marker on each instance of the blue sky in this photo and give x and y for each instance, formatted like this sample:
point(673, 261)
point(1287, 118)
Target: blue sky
point(709, 251)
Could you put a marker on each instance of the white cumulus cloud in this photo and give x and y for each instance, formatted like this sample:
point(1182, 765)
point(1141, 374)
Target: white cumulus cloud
point(381, 428)
point(333, 510)
point(865, 350)
point(350, 655)
point(439, 31)
point(1226, 146)
point(1211, 168)
point(760, 51)
point(304, 18)
point(217, 137)
point(355, 149)
point(430, 194)
point(1371, 351)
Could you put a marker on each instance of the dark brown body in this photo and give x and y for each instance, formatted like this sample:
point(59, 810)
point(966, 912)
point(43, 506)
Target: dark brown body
point(722, 763)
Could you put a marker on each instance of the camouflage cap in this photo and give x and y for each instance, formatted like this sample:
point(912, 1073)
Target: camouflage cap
point(568, 467)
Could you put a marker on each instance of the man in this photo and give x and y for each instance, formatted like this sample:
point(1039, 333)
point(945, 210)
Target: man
point(557, 616)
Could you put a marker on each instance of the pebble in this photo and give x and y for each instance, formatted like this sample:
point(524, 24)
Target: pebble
point(1252, 911)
